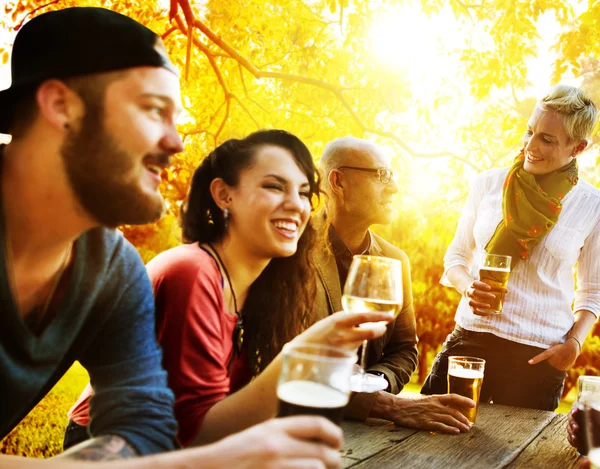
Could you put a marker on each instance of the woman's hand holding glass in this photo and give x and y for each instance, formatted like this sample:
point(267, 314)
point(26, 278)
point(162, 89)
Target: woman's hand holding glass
point(342, 329)
point(479, 297)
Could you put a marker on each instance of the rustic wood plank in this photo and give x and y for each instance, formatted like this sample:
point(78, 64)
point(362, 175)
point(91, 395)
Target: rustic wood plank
point(349, 462)
point(363, 440)
point(500, 435)
point(549, 450)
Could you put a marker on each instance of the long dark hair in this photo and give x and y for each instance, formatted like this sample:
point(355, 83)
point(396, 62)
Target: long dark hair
point(279, 302)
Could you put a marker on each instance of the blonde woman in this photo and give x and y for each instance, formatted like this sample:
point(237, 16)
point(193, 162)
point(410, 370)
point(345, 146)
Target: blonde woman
point(539, 212)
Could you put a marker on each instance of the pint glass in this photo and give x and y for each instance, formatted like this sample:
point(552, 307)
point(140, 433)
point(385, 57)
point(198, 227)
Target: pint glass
point(494, 270)
point(314, 380)
point(588, 392)
point(465, 377)
point(592, 431)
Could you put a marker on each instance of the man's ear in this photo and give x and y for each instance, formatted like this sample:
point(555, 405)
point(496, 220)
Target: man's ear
point(336, 182)
point(221, 193)
point(58, 104)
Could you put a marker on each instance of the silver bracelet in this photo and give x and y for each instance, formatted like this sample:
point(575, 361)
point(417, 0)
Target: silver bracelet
point(576, 340)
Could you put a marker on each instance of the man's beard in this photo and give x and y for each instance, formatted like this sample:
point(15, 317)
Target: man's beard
point(96, 166)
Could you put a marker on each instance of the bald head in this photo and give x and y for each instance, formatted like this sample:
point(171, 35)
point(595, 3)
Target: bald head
point(345, 151)
point(350, 166)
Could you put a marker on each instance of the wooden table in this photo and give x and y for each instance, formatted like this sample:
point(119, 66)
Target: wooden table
point(504, 437)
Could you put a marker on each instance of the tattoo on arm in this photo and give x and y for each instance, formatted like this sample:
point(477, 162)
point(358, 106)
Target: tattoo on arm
point(103, 448)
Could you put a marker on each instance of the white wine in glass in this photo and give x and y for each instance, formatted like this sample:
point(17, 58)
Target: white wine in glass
point(374, 284)
point(356, 304)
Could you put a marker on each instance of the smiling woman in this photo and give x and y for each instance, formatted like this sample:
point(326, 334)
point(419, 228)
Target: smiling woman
point(240, 288)
point(547, 220)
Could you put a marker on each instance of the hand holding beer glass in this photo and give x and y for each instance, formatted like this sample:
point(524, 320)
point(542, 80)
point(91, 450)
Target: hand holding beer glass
point(373, 284)
point(314, 380)
point(588, 392)
point(465, 378)
point(591, 426)
point(494, 271)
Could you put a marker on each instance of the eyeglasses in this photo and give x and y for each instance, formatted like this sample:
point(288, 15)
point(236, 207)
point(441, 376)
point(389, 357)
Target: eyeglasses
point(385, 175)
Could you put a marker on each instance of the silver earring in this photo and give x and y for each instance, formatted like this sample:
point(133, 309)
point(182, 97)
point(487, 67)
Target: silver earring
point(226, 218)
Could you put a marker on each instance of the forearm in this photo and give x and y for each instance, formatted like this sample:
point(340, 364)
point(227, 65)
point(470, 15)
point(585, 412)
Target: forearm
point(103, 448)
point(175, 460)
point(584, 321)
point(254, 403)
point(391, 407)
point(383, 405)
point(459, 278)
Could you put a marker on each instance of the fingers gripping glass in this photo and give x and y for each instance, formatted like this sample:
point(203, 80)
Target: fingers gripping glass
point(385, 175)
point(373, 284)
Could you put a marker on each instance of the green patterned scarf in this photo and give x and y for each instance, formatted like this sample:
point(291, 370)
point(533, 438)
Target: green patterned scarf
point(530, 208)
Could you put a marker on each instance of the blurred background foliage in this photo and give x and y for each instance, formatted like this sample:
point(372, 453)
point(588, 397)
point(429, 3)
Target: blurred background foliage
point(444, 86)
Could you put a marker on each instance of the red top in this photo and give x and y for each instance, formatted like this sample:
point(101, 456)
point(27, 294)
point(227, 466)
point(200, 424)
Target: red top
point(196, 334)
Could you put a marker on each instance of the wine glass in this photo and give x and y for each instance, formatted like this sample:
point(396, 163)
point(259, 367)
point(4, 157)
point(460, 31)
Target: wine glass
point(374, 284)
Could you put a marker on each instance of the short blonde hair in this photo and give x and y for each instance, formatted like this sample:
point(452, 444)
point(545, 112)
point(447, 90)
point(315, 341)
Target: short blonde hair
point(578, 110)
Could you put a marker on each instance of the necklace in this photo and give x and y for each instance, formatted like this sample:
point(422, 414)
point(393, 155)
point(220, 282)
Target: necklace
point(36, 317)
point(238, 331)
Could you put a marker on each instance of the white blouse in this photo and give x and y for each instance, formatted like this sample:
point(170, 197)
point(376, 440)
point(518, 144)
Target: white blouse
point(538, 307)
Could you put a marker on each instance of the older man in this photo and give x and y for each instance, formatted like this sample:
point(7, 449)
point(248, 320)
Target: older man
point(360, 187)
point(91, 111)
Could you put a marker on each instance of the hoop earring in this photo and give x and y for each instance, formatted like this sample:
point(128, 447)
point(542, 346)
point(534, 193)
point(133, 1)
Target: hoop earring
point(226, 218)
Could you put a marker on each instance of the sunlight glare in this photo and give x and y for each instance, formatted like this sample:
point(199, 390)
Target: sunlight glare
point(425, 183)
point(420, 47)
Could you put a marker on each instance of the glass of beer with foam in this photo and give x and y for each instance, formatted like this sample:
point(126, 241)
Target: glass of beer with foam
point(494, 270)
point(314, 380)
point(465, 377)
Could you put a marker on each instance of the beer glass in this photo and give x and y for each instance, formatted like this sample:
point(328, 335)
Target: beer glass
point(588, 391)
point(494, 270)
point(314, 380)
point(374, 284)
point(591, 418)
point(465, 377)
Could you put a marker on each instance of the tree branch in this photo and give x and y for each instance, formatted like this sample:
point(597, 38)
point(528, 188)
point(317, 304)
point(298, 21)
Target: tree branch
point(334, 89)
point(200, 131)
point(258, 126)
point(188, 52)
point(168, 32)
point(225, 117)
point(17, 27)
point(226, 91)
point(206, 51)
